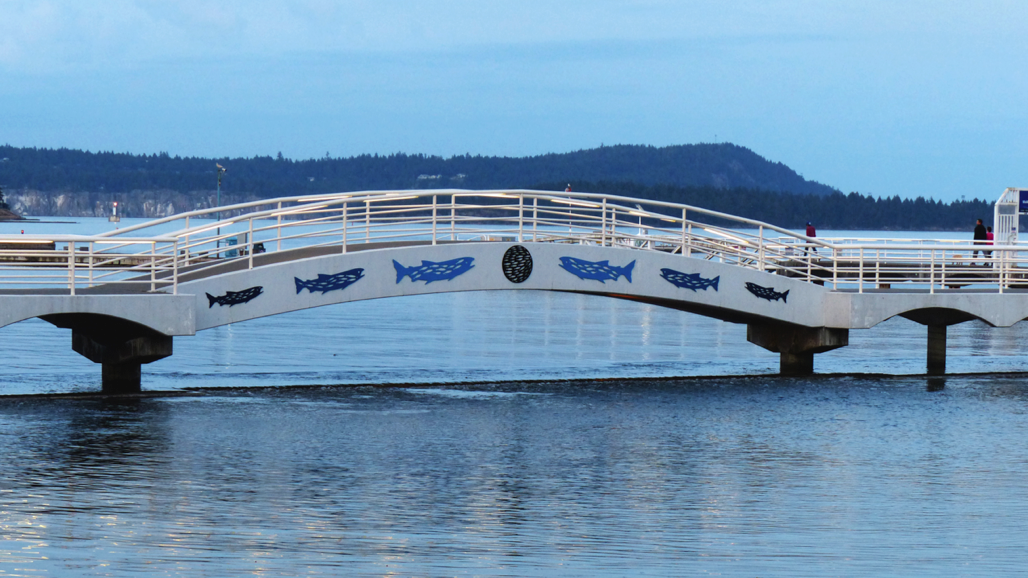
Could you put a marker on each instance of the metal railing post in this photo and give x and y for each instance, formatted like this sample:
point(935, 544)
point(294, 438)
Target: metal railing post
point(760, 248)
point(249, 245)
point(453, 217)
point(367, 221)
point(71, 266)
point(434, 207)
point(603, 223)
point(185, 262)
point(835, 269)
point(278, 228)
point(90, 262)
point(520, 217)
point(153, 266)
point(1002, 267)
point(686, 249)
point(860, 282)
point(535, 215)
point(174, 270)
point(344, 228)
point(878, 268)
point(931, 274)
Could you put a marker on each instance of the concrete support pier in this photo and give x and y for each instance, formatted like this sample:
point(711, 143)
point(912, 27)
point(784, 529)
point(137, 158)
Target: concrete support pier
point(796, 344)
point(936, 350)
point(121, 347)
point(122, 357)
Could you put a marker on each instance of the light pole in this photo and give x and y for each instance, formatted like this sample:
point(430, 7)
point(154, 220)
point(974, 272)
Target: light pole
point(221, 171)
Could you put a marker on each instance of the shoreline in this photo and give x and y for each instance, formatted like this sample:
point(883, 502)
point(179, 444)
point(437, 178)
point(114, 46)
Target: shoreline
point(932, 380)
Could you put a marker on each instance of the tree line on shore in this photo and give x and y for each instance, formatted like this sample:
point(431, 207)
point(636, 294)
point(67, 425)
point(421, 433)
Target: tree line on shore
point(852, 211)
point(722, 165)
point(724, 178)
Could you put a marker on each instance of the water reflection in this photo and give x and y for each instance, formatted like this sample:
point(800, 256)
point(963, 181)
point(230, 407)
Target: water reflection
point(760, 476)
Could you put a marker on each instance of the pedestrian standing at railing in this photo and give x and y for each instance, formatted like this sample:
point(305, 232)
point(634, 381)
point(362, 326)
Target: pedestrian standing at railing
point(980, 237)
point(990, 238)
point(812, 233)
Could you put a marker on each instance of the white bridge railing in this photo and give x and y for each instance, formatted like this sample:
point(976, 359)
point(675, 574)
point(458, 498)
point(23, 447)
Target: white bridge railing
point(152, 256)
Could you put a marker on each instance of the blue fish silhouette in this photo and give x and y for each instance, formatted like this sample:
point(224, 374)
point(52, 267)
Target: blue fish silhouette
point(596, 270)
point(430, 271)
point(767, 292)
point(326, 283)
point(231, 298)
point(691, 281)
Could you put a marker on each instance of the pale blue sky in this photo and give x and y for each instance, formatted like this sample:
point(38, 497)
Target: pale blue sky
point(882, 97)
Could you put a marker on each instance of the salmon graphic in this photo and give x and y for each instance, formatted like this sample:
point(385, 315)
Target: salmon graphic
point(430, 271)
point(601, 271)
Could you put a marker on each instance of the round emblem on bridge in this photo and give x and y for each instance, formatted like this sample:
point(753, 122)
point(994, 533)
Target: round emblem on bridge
point(517, 264)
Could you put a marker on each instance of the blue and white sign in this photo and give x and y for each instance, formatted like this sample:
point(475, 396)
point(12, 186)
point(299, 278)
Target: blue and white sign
point(1022, 205)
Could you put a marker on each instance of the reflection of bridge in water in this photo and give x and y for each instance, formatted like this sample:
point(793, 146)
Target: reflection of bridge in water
point(127, 293)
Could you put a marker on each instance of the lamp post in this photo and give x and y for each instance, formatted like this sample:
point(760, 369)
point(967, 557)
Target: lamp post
point(221, 171)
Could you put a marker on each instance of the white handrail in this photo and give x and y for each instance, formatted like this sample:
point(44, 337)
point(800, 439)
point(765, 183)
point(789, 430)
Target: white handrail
point(157, 262)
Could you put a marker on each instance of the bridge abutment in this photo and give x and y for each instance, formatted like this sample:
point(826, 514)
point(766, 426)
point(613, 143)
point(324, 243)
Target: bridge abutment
point(796, 344)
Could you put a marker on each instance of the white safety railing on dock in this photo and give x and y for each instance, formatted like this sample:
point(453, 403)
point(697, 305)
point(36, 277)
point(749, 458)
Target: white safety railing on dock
point(74, 262)
point(152, 256)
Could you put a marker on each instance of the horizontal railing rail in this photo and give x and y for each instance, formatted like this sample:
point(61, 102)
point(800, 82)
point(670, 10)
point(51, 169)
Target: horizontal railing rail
point(149, 256)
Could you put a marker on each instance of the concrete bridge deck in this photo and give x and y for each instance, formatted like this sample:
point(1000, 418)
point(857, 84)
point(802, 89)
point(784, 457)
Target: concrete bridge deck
point(126, 294)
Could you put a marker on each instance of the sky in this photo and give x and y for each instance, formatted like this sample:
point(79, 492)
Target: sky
point(912, 98)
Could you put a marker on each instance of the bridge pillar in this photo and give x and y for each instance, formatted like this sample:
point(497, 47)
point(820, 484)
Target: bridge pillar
point(936, 350)
point(120, 346)
point(796, 344)
point(121, 357)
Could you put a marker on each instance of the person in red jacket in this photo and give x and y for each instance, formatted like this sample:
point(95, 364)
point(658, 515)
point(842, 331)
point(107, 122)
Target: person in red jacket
point(812, 233)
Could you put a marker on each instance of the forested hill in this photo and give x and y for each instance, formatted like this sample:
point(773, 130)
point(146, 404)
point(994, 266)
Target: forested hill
point(835, 211)
point(722, 166)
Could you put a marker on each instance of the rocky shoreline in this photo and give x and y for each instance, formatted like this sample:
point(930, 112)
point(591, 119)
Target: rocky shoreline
point(140, 203)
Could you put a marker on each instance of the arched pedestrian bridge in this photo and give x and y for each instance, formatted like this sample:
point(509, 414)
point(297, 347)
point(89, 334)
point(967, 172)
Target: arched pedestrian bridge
point(126, 294)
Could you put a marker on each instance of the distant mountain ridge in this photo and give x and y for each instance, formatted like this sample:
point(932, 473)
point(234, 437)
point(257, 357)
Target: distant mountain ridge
point(723, 166)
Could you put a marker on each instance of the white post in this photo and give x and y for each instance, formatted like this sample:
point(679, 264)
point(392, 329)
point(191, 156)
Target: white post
point(90, 263)
point(453, 217)
point(931, 274)
point(434, 207)
point(878, 268)
point(249, 245)
point(153, 266)
point(860, 287)
point(71, 266)
point(367, 221)
point(603, 223)
point(344, 228)
point(521, 217)
point(278, 230)
point(535, 215)
point(835, 269)
point(686, 249)
point(174, 270)
point(760, 248)
point(1002, 259)
point(185, 260)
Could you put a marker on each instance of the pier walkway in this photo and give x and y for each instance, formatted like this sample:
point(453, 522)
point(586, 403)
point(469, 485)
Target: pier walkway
point(126, 294)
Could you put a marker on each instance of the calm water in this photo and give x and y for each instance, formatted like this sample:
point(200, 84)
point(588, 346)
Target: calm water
point(740, 476)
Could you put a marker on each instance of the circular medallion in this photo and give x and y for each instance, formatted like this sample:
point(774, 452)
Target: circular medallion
point(517, 264)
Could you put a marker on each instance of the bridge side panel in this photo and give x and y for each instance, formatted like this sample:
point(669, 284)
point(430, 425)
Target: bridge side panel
point(165, 314)
point(619, 272)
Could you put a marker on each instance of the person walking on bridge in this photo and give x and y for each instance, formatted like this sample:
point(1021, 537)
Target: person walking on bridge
point(980, 237)
point(812, 233)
